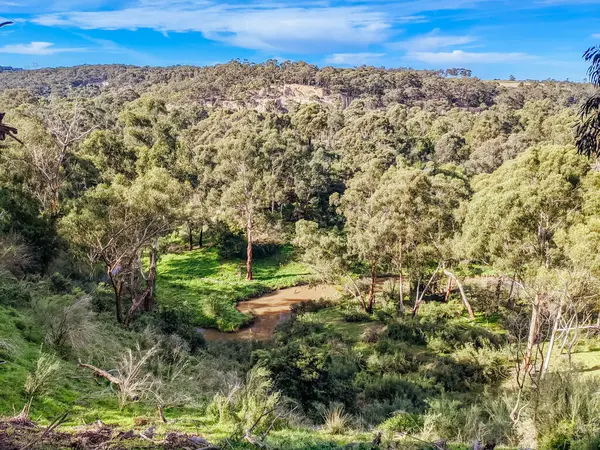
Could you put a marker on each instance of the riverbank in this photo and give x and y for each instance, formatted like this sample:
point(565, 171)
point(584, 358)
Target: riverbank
point(269, 310)
point(206, 288)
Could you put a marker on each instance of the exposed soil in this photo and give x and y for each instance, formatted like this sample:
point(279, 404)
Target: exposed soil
point(269, 310)
point(21, 434)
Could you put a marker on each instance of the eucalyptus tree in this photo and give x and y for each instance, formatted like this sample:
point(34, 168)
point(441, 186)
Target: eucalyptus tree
point(113, 224)
point(52, 131)
point(246, 156)
point(327, 251)
point(364, 217)
point(151, 130)
point(404, 200)
point(515, 217)
point(588, 131)
point(418, 213)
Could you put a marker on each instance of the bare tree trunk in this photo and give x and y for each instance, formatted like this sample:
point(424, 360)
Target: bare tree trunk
point(448, 290)
point(401, 281)
point(200, 241)
point(117, 288)
point(419, 298)
point(510, 304)
point(151, 281)
point(462, 292)
point(533, 332)
point(552, 338)
point(136, 304)
point(498, 290)
point(249, 250)
point(372, 288)
point(190, 237)
point(161, 413)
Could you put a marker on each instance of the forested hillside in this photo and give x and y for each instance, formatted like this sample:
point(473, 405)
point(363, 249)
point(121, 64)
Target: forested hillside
point(452, 217)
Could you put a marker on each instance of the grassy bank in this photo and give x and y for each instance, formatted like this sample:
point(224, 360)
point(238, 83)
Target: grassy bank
point(206, 288)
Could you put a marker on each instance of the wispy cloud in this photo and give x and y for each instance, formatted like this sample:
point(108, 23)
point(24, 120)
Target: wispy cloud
point(434, 40)
point(267, 27)
point(353, 59)
point(37, 48)
point(596, 36)
point(462, 57)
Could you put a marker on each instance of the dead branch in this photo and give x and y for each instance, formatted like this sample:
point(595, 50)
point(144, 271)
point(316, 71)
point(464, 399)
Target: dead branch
point(100, 373)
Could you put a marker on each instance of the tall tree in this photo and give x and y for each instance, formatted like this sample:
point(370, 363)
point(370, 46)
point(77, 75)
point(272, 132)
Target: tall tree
point(113, 224)
point(515, 216)
point(364, 217)
point(244, 162)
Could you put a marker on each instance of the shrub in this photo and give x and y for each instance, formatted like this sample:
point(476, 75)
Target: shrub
point(444, 419)
point(389, 363)
point(561, 438)
point(489, 420)
point(251, 405)
point(68, 325)
point(356, 316)
point(403, 422)
point(390, 387)
point(371, 335)
point(228, 244)
point(311, 306)
point(13, 292)
point(567, 399)
point(176, 322)
point(492, 366)
point(406, 330)
point(43, 377)
point(60, 284)
point(7, 348)
point(436, 313)
point(335, 419)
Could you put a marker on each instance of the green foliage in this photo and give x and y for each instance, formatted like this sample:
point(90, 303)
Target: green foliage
point(19, 214)
point(404, 423)
point(409, 172)
point(204, 288)
point(405, 330)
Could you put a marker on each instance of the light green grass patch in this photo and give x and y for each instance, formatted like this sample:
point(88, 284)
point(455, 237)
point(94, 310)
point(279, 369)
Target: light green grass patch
point(207, 288)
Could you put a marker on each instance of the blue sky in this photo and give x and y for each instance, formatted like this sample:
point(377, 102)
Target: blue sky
point(495, 38)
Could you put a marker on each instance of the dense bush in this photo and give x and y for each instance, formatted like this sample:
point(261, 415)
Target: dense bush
point(175, 322)
point(403, 423)
point(406, 330)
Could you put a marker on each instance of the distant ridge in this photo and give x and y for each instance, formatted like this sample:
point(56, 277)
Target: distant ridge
point(10, 69)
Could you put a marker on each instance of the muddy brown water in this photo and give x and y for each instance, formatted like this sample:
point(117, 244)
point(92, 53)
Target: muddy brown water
point(269, 310)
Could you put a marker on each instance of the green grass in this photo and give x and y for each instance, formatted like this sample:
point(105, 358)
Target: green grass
point(206, 288)
point(333, 319)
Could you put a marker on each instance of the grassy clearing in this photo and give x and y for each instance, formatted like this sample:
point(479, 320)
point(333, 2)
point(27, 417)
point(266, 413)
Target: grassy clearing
point(204, 287)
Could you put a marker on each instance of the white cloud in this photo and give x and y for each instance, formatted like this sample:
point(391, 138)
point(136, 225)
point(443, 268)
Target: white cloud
point(596, 36)
point(262, 27)
point(433, 41)
point(37, 48)
point(462, 57)
point(353, 59)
